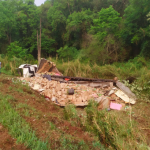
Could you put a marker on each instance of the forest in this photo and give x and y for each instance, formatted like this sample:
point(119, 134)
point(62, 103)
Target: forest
point(92, 31)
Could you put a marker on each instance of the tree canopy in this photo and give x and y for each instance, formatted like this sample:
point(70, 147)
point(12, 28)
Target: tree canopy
point(101, 31)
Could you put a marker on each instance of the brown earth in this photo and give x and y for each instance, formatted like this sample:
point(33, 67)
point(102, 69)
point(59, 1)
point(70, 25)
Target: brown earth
point(7, 142)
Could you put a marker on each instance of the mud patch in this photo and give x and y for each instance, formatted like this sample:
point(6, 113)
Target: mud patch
point(5, 81)
point(27, 91)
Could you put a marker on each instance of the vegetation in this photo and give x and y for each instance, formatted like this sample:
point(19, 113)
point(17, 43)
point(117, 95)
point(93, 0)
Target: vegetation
point(110, 131)
point(85, 38)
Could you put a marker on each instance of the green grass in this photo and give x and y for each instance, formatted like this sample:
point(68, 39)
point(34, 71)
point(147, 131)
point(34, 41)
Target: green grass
point(18, 127)
point(52, 126)
point(9, 66)
point(25, 109)
point(112, 131)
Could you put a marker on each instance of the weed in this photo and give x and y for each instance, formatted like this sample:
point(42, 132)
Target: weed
point(10, 88)
point(52, 126)
point(98, 145)
point(70, 112)
point(141, 90)
point(68, 143)
point(19, 90)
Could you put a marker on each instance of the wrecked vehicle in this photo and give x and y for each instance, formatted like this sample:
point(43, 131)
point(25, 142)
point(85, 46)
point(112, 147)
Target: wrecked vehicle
point(63, 90)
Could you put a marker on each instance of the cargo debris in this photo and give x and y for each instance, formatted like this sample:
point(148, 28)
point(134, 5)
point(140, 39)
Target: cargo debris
point(63, 90)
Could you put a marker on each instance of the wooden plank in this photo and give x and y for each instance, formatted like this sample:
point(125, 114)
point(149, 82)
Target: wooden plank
point(59, 78)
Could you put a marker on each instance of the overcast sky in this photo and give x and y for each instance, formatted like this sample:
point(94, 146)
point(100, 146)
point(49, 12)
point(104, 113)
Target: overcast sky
point(39, 2)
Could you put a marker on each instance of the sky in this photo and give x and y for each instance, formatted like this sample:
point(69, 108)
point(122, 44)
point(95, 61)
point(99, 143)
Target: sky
point(39, 2)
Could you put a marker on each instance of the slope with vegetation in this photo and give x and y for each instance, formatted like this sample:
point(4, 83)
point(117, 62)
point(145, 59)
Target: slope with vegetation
point(40, 124)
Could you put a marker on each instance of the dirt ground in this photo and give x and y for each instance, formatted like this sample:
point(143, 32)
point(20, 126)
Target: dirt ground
point(7, 142)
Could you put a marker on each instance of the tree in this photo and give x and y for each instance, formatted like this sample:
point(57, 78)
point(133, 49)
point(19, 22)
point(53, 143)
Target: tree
point(78, 24)
point(8, 15)
point(105, 44)
point(135, 26)
point(28, 21)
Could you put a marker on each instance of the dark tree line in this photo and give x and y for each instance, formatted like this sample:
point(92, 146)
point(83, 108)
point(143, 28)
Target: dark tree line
point(101, 31)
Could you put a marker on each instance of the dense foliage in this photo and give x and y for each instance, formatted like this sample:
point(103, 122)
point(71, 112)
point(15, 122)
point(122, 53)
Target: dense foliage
point(101, 31)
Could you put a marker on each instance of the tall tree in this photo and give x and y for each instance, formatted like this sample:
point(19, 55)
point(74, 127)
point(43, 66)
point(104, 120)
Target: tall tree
point(135, 28)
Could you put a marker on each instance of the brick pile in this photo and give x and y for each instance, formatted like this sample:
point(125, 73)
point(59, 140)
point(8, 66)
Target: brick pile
point(56, 91)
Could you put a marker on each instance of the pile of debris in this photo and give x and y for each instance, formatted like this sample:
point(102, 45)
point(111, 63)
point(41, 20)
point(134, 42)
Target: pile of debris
point(64, 90)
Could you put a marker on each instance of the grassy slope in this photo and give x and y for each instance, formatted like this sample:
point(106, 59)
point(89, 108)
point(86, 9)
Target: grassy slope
point(34, 122)
point(129, 131)
point(38, 123)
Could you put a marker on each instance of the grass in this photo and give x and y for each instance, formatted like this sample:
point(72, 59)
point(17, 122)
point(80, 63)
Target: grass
point(52, 126)
point(116, 130)
point(18, 127)
point(109, 130)
point(26, 109)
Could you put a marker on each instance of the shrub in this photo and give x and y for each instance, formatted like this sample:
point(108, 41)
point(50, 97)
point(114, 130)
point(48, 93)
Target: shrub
point(67, 53)
point(14, 50)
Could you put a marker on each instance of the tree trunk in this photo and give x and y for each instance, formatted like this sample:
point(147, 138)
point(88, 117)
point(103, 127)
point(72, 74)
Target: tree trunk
point(39, 44)
point(40, 41)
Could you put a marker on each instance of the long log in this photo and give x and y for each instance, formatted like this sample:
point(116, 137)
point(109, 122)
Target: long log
point(60, 78)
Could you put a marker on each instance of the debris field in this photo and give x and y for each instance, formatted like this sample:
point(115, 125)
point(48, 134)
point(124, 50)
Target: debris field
point(50, 83)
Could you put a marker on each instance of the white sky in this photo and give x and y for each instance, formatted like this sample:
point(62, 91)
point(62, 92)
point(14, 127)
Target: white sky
point(39, 2)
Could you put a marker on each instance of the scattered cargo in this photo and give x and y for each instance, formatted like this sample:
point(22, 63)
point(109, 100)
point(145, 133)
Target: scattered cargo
point(63, 90)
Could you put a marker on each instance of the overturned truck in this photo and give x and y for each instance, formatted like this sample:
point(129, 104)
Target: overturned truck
point(63, 90)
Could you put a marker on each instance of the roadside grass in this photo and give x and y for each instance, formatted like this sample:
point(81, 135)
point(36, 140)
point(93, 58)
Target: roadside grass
point(26, 109)
point(134, 67)
point(65, 140)
point(18, 127)
point(107, 128)
point(71, 114)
